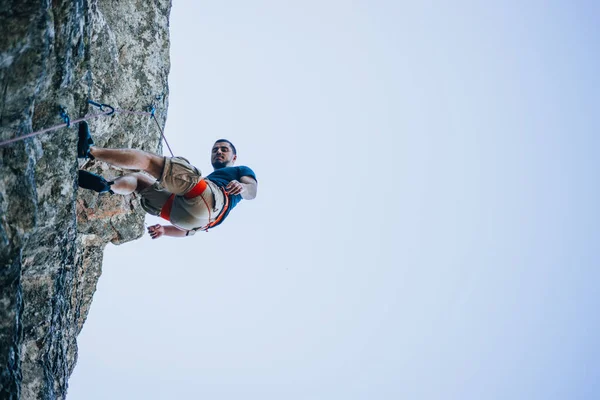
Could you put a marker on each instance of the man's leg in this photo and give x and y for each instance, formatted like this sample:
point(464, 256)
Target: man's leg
point(130, 159)
point(129, 183)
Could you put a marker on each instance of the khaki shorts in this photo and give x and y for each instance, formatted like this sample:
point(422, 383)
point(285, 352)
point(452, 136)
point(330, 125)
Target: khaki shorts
point(153, 198)
point(179, 177)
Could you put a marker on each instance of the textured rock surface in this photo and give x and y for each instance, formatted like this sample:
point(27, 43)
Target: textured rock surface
point(51, 235)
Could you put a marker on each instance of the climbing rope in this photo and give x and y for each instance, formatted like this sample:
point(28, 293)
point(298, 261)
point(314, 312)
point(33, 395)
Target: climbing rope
point(65, 116)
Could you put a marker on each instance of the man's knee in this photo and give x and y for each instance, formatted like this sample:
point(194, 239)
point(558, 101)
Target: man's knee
point(142, 181)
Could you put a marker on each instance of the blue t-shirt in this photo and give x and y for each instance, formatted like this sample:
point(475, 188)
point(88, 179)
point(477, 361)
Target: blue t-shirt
point(221, 177)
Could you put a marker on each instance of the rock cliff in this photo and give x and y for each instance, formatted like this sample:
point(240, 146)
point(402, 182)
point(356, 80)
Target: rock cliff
point(52, 236)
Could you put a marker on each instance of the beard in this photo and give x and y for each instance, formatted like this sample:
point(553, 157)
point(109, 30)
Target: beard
point(219, 164)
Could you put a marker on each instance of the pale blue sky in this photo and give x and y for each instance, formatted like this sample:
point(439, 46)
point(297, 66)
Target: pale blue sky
point(427, 219)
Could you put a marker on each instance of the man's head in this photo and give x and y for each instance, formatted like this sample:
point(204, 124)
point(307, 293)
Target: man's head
point(223, 154)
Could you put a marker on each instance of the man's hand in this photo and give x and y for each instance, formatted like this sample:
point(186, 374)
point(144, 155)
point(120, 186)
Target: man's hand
point(247, 187)
point(234, 187)
point(156, 231)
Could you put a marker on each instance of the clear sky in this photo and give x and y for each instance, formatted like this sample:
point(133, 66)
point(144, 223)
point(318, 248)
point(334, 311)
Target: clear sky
point(426, 225)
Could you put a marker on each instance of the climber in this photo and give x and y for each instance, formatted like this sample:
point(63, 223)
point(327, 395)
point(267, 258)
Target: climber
point(177, 191)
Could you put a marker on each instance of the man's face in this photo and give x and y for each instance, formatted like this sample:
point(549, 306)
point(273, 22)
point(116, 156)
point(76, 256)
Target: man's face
point(222, 155)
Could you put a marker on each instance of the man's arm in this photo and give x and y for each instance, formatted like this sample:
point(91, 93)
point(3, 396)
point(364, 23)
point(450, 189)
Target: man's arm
point(247, 187)
point(157, 231)
point(250, 187)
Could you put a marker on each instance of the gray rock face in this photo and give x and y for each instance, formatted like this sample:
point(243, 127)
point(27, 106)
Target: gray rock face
point(52, 235)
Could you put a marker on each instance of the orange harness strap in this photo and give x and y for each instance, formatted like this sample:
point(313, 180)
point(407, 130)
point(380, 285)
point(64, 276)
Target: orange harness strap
point(222, 213)
point(165, 211)
point(196, 191)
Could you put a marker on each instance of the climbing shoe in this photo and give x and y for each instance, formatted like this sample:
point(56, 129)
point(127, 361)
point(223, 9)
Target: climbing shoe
point(85, 141)
point(88, 180)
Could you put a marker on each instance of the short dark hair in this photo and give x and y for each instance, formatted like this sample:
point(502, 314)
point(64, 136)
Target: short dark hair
point(231, 144)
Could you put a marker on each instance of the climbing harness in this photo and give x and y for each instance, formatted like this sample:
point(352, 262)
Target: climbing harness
point(165, 212)
point(105, 110)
